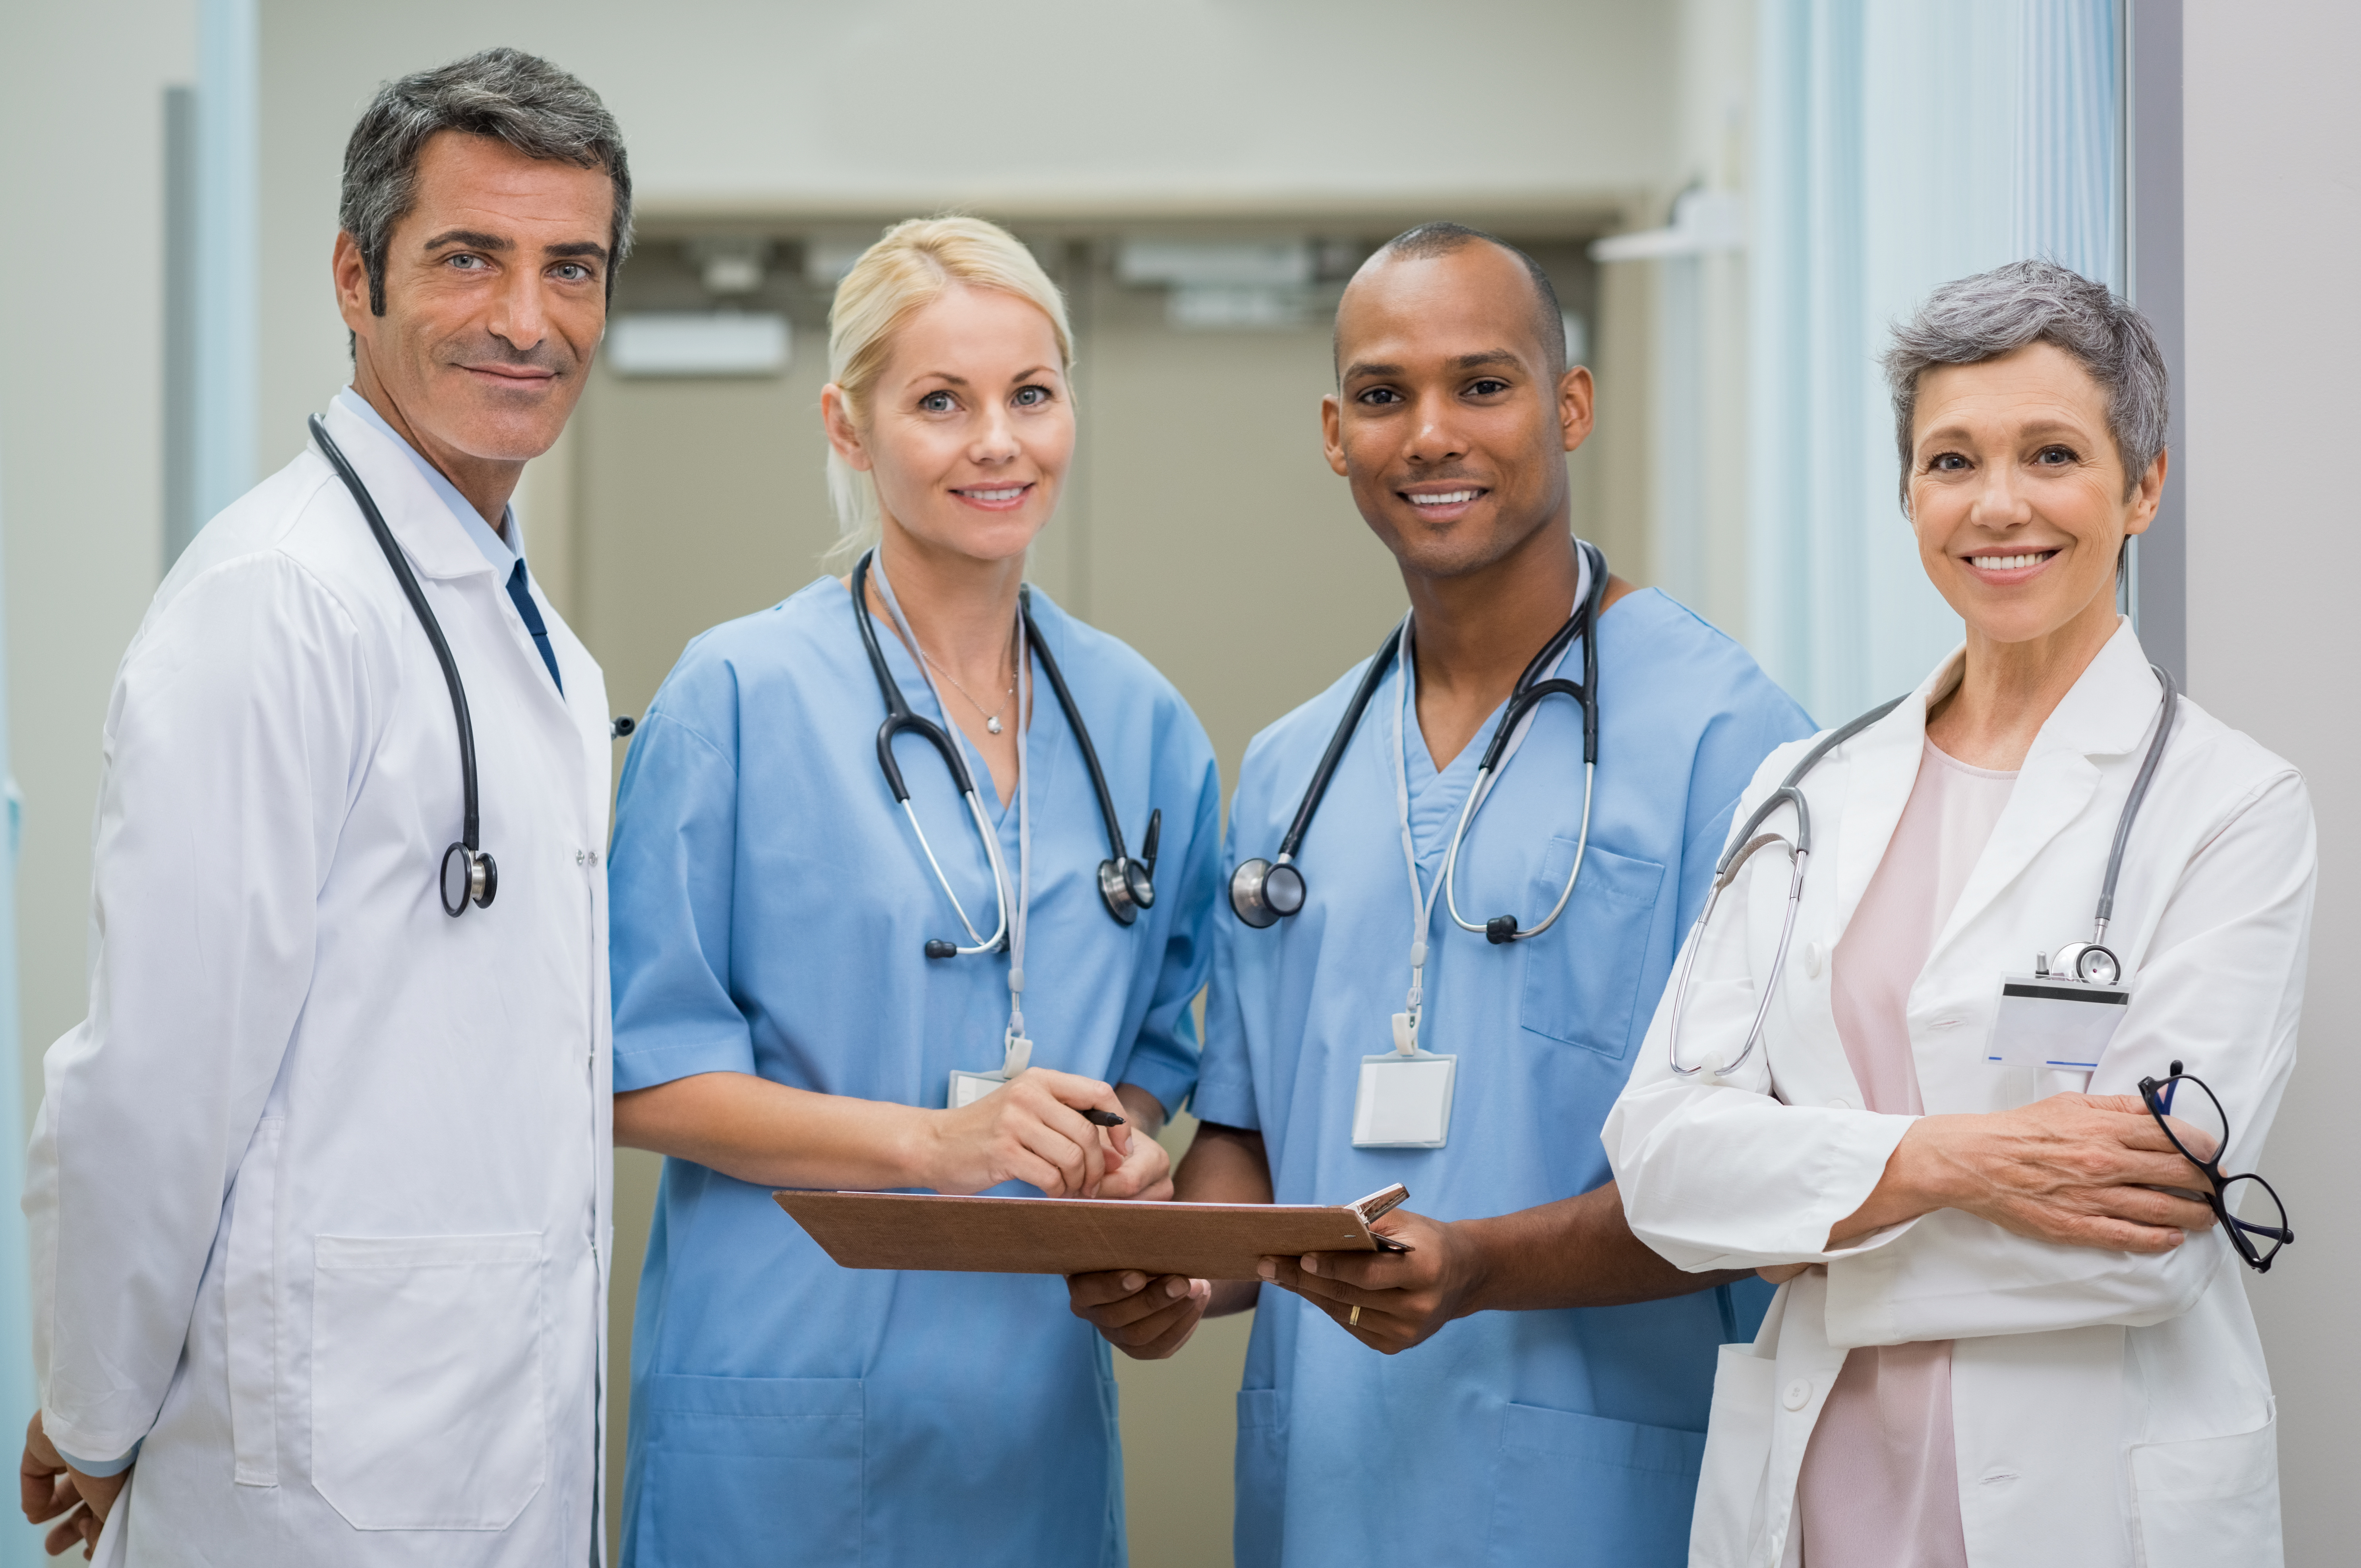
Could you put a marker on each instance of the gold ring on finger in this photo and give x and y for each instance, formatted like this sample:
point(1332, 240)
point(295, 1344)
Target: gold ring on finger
point(1355, 1320)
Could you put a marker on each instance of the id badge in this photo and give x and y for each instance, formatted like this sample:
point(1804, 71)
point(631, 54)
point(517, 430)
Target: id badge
point(2052, 1021)
point(967, 1088)
point(1404, 1102)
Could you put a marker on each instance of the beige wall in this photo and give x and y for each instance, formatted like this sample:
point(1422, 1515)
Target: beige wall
point(1188, 107)
point(2274, 552)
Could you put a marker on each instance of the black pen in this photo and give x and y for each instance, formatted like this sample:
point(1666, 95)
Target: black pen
point(1097, 1117)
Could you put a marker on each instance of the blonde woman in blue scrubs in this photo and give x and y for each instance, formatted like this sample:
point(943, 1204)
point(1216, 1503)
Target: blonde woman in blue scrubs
point(787, 1014)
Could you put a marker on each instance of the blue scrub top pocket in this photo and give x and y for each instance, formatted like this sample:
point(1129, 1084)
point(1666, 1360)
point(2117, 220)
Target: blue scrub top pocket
point(1576, 1489)
point(1582, 977)
point(767, 1468)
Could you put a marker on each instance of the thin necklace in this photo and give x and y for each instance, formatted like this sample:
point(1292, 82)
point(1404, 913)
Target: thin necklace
point(991, 715)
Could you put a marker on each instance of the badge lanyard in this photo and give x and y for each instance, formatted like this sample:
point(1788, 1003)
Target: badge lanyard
point(1404, 1096)
point(1016, 1054)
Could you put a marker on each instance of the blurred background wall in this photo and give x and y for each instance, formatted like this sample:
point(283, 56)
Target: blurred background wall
point(1732, 197)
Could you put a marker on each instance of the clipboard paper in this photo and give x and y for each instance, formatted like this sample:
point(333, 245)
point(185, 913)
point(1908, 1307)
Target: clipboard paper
point(1067, 1236)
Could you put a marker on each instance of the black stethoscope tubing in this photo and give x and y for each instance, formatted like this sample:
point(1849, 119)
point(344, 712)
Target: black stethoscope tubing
point(1126, 886)
point(468, 875)
point(1264, 892)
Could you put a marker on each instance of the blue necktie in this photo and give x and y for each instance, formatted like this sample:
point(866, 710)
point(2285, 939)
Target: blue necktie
point(521, 592)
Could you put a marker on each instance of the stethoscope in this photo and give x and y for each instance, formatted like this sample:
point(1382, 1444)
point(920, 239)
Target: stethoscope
point(468, 874)
point(2091, 963)
point(1263, 892)
point(1125, 885)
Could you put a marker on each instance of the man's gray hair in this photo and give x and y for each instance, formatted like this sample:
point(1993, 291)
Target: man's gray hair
point(505, 94)
point(2000, 312)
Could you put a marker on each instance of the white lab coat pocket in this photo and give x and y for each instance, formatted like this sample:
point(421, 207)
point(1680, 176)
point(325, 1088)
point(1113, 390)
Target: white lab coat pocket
point(2210, 1501)
point(1729, 1496)
point(429, 1400)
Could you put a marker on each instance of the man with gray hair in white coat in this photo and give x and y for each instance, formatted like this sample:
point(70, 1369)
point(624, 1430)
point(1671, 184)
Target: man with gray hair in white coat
point(319, 1191)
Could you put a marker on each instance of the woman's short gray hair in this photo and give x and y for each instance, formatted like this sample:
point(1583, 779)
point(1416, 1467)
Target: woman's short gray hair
point(2000, 312)
point(506, 94)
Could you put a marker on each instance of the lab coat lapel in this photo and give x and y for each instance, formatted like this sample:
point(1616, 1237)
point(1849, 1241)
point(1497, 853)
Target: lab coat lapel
point(440, 550)
point(2105, 714)
point(437, 546)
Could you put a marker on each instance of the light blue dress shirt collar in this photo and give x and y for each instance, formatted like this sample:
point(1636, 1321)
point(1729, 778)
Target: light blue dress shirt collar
point(496, 550)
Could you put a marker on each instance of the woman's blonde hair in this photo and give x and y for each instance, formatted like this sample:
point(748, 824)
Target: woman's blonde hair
point(903, 273)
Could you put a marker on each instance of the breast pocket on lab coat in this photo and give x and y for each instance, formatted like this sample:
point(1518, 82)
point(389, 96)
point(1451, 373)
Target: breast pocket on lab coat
point(428, 1393)
point(1582, 976)
point(743, 1470)
point(1576, 1488)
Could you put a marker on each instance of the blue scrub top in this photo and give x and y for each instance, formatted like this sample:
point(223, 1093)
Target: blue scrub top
point(771, 909)
point(1508, 1438)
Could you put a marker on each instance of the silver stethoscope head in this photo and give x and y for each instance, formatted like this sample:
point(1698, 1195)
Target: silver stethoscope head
point(1128, 886)
point(1263, 893)
point(470, 876)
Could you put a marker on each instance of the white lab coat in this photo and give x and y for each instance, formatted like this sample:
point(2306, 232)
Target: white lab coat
point(2108, 1409)
point(319, 1191)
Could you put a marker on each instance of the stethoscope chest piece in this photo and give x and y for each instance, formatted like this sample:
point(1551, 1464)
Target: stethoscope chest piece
point(470, 876)
point(2090, 962)
point(1263, 893)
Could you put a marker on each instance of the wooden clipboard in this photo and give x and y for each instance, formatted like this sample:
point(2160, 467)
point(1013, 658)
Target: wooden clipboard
point(1078, 1235)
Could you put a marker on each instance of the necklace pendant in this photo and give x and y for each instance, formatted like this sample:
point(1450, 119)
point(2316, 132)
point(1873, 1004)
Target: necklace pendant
point(993, 724)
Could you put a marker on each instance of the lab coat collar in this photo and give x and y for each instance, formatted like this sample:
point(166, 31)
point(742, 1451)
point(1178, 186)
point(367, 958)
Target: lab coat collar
point(503, 552)
point(434, 539)
point(2107, 713)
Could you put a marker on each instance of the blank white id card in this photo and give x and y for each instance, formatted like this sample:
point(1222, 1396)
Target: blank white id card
point(967, 1088)
point(1404, 1102)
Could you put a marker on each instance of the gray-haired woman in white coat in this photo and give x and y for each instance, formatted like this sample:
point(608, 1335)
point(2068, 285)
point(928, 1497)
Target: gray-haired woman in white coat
point(2012, 1334)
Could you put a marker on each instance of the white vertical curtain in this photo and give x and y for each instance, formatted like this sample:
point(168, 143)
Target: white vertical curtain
point(1898, 144)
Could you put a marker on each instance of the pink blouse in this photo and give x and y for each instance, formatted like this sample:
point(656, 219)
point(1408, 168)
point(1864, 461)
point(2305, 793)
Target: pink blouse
point(1880, 1486)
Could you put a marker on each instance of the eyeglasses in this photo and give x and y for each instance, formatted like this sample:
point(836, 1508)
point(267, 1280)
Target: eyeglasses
point(2201, 1114)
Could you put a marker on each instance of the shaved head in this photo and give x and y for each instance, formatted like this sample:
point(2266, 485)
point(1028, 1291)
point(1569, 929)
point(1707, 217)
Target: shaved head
point(1428, 241)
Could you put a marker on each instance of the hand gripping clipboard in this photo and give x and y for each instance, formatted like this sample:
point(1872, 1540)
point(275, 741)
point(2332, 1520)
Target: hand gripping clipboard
point(1079, 1235)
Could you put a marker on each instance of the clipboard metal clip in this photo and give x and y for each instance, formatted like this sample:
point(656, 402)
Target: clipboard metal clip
point(1382, 1201)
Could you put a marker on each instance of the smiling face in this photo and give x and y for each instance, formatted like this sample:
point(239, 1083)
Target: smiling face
point(1446, 419)
point(2019, 496)
point(495, 297)
point(969, 429)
